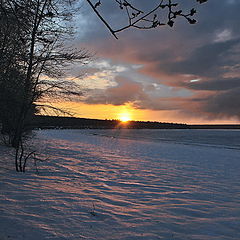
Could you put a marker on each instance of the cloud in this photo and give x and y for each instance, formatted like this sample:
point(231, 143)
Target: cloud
point(224, 104)
point(191, 69)
point(214, 85)
point(126, 91)
point(223, 36)
point(208, 61)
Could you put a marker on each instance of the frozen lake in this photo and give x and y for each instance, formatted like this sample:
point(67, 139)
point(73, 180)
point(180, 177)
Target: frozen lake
point(124, 185)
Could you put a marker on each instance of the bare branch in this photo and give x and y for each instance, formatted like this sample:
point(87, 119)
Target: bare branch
point(137, 18)
point(102, 19)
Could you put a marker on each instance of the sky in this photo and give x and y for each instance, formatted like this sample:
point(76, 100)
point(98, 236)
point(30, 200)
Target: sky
point(185, 74)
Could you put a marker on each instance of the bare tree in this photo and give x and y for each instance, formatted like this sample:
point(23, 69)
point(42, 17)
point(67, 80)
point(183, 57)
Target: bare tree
point(11, 72)
point(44, 28)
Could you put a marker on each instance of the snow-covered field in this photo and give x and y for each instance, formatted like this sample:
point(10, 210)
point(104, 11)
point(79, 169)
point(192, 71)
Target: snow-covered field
point(120, 185)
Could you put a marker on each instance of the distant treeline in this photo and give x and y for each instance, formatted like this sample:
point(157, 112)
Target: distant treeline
point(85, 123)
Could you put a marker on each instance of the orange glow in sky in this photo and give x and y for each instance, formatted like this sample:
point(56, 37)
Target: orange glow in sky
point(128, 113)
point(101, 111)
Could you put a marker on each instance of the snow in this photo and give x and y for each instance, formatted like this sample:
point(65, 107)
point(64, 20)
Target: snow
point(99, 187)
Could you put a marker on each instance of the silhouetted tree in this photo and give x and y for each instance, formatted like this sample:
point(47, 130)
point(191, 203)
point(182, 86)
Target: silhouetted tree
point(37, 70)
point(12, 54)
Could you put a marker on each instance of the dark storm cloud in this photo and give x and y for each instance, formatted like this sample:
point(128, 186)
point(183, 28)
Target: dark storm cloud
point(205, 61)
point(214, 85)
point(224, 104)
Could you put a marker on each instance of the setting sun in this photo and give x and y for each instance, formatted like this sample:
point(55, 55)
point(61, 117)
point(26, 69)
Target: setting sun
point(124, 117)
